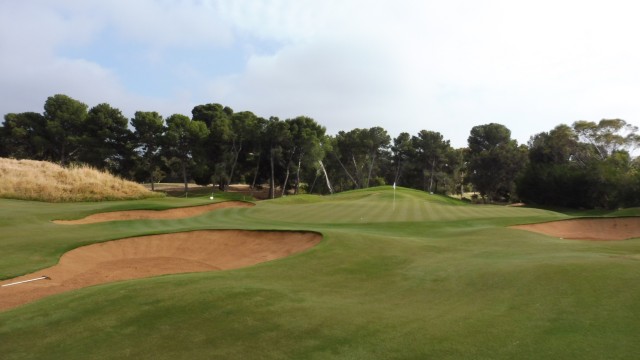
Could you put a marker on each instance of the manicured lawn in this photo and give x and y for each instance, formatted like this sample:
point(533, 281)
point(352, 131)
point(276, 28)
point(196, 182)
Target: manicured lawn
point(418, 277)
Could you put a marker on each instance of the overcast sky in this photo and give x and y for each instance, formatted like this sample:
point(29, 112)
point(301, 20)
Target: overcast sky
point(406, 65)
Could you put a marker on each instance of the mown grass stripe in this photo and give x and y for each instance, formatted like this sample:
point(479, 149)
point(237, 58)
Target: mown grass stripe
point(404, 209)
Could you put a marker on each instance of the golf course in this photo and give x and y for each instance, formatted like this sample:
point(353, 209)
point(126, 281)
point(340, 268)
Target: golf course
point(379, 273)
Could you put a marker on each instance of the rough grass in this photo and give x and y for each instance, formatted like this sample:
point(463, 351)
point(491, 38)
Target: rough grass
point(419, 279)
point(45, 181)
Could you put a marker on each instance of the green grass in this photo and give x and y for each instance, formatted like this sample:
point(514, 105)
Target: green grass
point(424, 277)
point(205, 192)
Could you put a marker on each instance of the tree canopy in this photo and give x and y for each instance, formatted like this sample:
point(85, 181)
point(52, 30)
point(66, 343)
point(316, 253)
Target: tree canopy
point(586, 164)
point(65, 123)
point(183, 136)
point(495, 160)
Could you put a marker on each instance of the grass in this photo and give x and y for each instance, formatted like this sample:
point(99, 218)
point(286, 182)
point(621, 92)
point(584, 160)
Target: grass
point(416, 278)
point(45, 181)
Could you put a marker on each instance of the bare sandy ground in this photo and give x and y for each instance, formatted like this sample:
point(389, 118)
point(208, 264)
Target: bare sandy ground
point(589, 229)
point(146, 256)
point(177, 213)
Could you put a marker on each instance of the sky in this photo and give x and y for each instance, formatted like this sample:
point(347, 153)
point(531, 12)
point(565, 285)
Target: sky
point(404, 65)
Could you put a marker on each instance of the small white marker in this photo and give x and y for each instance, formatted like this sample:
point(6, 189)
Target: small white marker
point(44, 277)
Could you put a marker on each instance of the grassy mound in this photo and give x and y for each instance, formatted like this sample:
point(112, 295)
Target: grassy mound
point(45, 181)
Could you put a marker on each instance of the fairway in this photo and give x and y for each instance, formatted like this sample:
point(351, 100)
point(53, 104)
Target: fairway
point(397, 275)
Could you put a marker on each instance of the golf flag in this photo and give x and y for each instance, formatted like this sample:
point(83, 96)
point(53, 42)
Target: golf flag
point(394, 196)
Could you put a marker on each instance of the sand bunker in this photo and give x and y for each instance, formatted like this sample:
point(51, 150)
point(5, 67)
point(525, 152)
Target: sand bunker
point(145, 256)
point(589, 229)
point(177, 213)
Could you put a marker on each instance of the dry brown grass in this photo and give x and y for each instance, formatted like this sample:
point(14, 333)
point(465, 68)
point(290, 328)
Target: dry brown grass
point(45, 181)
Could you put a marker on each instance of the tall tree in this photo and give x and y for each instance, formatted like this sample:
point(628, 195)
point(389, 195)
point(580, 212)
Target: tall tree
point(402, 150)
point(243, 130)
point(254, 154)
point(458, 168)
point(377, 141)
point(495, 160)
point(230, 137)
point(609, 169)
point(558, 146)
point(149, 131)
point(183, 136)
point(278, 136)
point(326, 145)
point(306, 136)
point(432, 152)
point(215, 167)
point(106, 139)
point(344, 150)
point(24, 136)
point(583, 166)
point(357, 151)
point(608, 135)
point(211, 113)
point(65, 125)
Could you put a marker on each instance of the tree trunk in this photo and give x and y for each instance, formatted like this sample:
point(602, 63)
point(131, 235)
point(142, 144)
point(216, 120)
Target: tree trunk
point(255, 176)
point(272, 180)
point(286, 179)
point(373, 160)
point(358, 173)
point(298, 175)
point(326, 177)
point(314, 183)
point(235, 161)
point(184, 177)
point(346, 171)
point(433, 165)
point(151, 178)
point(63, 159)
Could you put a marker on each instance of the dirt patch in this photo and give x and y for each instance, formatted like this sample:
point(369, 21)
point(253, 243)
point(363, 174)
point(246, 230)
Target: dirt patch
point(589, 229)
point(145, 256)
point(177, 213)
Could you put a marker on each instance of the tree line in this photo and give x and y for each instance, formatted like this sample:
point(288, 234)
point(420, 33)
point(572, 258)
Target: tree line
point(585, 165)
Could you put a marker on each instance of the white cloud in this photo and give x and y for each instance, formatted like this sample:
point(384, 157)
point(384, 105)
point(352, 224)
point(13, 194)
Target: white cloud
point(169, 23)
point(447, 66)
point(30, 70)
point(404, 65)
point(310, 78)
